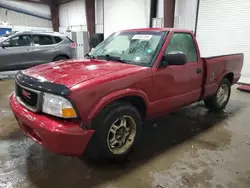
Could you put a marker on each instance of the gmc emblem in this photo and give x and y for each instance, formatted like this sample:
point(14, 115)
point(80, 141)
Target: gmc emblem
point(26, 94)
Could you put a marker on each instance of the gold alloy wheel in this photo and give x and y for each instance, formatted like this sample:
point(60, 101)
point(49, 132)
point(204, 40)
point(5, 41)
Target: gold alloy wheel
point(121, 135)
point(222, 94)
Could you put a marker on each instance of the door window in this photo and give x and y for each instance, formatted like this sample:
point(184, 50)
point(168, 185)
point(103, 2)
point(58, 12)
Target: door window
point(183, 42)
point(40, 40)
point(57, 39)
point(21, 40)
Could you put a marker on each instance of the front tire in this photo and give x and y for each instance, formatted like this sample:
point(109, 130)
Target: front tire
point(219, 100)
point(118, 127)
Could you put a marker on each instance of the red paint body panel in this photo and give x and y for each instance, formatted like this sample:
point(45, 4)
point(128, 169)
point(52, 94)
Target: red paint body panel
point(172, 88)
point(218, 67)
point(72, 72)
point(245, 88)
point(101, 91)
point(96, 83)
point(56, 135)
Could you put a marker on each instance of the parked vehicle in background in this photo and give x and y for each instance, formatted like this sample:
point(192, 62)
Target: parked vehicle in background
point(100, 102)
point(26, 49)
point(5, 36)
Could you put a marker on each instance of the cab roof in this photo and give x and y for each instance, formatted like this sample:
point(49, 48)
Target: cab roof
point(157, 30)
point(40, 32)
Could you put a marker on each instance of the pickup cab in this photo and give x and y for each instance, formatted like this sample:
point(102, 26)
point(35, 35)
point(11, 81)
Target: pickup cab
point(97, 105)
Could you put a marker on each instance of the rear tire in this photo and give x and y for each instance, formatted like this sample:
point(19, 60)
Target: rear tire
point(118, 127)
point(219, 100)
point(58, 58)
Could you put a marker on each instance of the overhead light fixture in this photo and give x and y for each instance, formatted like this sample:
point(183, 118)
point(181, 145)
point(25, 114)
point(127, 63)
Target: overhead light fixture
point(5, 23)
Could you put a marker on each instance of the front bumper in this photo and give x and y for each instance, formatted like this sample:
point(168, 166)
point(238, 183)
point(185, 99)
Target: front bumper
point(59, 136)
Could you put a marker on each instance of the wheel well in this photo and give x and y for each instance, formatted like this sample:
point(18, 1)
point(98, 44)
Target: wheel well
point(67, 57)
point(137, 102)
point(230, 77)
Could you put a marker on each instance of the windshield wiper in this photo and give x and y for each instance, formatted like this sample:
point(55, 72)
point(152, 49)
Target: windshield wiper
point(110, 57)
point(91, 56)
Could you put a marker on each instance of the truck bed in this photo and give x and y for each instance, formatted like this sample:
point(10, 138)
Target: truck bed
point(217, 67)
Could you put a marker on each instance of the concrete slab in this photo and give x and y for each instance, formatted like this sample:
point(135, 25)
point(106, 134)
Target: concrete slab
point(188, 148)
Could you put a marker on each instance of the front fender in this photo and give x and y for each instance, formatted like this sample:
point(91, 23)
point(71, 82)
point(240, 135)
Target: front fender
point(113, 97)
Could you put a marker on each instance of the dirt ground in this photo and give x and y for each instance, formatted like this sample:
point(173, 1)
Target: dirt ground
point(188, 148)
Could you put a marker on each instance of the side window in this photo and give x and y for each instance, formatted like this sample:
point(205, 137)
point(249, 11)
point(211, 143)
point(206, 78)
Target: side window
point(183, 42)
point(21, 40)
point(40, 40)
point(57, 39)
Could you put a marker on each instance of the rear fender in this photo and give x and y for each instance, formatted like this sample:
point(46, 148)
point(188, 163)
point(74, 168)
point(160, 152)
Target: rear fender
point(113, 97)
point(223, 75)
point(212, 85)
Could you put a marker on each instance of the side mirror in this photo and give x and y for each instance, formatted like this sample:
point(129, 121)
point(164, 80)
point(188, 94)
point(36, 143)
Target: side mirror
point(5, 44)
point(174, 58)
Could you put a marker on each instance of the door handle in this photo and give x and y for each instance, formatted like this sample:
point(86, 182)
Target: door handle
point(199, 70)
point(28, 50)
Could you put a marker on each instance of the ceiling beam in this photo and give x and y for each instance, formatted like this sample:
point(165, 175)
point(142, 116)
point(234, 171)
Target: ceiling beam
point(32, 1)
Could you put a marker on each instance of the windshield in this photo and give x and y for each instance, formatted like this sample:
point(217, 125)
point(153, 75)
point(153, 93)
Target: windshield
point(131, 47)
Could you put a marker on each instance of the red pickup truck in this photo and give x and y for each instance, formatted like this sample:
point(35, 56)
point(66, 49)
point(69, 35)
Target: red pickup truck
point(98, 104)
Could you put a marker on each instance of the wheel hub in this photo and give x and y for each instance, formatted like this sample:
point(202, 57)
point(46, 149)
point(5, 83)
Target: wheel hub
point(222, 94)
point(121, 135)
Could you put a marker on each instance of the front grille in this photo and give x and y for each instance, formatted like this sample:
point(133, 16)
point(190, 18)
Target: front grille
point(27, 97)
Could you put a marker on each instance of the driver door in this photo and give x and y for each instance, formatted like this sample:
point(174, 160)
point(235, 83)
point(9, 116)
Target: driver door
point(178, 85)
point(16, 54)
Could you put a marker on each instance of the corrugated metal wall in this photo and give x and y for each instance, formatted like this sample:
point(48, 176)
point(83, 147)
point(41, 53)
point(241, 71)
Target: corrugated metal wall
point(223, 28)
point(99, 19)
point(72, 16)
point(125, 14)
point(185, 14)
point(37, 9)
point(159, 20)
point(23, 22)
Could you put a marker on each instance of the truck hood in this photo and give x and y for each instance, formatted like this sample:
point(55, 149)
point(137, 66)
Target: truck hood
point(72, 72)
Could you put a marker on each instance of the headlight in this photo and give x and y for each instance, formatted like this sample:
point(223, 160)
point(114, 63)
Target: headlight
point(57, 106)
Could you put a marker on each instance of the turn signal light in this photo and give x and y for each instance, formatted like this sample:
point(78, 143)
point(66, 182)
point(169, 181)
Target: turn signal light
point(68, 113)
